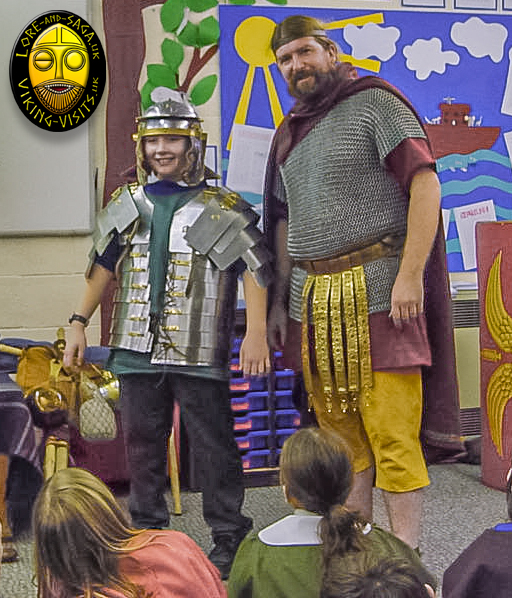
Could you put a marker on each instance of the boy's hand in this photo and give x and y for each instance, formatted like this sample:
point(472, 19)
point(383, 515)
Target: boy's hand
point(254, 354)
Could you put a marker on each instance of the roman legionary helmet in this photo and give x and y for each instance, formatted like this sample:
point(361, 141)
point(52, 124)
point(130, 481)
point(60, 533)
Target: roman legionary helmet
point(295, 27)
point(171, 114)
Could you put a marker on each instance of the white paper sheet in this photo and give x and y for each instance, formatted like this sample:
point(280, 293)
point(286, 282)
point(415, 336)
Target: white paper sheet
point(446, 221)
point(210, 160)
point(507, 136)
point(466, 218)
point(248, 158)
point(506, 104)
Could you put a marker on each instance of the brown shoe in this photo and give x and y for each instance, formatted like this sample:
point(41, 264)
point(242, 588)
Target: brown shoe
point(9, 554)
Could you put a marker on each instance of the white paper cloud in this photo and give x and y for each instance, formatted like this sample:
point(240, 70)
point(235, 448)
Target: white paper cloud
point(480, 39)
point(371, 40)
point(426, 56)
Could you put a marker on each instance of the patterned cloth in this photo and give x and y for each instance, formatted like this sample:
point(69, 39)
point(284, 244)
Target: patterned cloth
point(17, 432)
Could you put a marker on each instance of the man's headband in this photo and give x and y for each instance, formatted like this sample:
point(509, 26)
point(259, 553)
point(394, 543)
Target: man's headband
point(295, 27)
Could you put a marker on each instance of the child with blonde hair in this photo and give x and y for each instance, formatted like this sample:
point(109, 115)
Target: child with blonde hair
point(85, 547)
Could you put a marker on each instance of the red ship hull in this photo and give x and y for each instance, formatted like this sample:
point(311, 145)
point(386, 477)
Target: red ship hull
point(447, 139)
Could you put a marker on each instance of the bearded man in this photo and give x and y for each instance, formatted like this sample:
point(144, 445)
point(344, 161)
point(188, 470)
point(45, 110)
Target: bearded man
point(352, 206)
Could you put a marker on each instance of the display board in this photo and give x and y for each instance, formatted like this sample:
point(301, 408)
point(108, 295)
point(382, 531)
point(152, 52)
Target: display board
point(46, 178)
point(454, 67)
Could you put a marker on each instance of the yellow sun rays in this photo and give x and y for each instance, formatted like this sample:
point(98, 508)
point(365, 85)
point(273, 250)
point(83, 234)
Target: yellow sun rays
point(252, 42)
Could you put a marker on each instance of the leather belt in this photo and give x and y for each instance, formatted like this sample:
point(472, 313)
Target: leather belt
point(386, 247)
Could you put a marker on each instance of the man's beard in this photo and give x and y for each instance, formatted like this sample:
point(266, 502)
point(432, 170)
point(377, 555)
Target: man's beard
point(322, 82)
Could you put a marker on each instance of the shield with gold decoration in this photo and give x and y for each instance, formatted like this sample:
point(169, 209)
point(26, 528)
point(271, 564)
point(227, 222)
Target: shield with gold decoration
point(494, 255)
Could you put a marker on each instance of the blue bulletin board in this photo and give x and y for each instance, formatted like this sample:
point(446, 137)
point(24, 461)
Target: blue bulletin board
point(460, 60)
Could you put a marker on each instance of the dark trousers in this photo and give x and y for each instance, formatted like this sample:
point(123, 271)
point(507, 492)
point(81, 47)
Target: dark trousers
point(147, 402)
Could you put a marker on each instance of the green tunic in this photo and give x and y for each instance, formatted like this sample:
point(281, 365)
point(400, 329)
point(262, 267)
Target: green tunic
point(263, 571)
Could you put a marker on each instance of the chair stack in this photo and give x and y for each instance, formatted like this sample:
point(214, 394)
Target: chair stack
point(264, 412)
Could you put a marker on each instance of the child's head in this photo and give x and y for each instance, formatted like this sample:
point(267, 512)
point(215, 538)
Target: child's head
point(316, 470)
point(390, 578)
point(78, 530)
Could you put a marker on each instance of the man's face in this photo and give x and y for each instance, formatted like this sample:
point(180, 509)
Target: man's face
point(167, 155)
point(302, 62)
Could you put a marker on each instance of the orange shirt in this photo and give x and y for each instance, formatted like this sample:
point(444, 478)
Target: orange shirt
point(169, 564)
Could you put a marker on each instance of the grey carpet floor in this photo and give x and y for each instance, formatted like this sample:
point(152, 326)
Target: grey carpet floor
point(458, 507)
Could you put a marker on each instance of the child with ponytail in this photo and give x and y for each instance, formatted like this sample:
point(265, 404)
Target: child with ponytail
point(289, 558)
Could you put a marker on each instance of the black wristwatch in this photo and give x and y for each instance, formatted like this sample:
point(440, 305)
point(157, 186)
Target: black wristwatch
point(78, 318)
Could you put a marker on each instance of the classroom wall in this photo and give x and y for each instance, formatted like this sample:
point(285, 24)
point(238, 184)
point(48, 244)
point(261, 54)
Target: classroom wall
point(41, 277)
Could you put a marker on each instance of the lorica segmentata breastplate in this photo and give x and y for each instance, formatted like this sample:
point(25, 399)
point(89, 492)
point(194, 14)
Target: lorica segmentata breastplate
point(201, 288)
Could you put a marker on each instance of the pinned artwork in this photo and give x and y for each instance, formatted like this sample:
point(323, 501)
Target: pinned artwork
point(455, 68)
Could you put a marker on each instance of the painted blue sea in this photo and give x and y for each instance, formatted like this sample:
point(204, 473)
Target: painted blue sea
point(467, 179)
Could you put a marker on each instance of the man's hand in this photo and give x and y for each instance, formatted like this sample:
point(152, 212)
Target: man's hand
point(422, 223)
point(276, 325)
point(75, 346)
point(406, 298)
point(254, 354)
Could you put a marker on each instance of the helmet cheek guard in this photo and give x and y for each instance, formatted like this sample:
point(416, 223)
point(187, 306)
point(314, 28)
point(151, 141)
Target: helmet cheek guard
point(195, 173)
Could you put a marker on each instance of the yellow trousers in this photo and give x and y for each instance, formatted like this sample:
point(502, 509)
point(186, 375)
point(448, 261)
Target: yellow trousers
point(385, 431)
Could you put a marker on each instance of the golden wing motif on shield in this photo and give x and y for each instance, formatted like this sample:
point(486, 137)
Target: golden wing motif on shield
point(499, 323)
point(499, 390)
point(498, 319)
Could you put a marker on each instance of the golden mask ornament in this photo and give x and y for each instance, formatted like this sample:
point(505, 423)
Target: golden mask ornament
point(59, 66)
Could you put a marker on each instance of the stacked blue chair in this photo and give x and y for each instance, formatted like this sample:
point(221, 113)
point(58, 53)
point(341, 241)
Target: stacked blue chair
point(264, 412)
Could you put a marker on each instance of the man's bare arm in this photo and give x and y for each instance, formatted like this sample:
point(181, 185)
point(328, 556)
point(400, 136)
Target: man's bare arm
point(278, 315)
point(422, 223)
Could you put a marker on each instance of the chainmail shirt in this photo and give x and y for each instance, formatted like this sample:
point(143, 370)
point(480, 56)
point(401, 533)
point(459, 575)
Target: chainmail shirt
point(339, 193)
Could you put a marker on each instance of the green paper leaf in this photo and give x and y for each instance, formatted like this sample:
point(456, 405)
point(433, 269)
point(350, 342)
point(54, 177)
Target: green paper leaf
point(283, 2)
point(190, 35)
point(208, 32)
point(201, 5)
point(171, 14)
point(172, 53)
point(203, 90)
point(242, 2)
point(145, 95)
point(161, 75)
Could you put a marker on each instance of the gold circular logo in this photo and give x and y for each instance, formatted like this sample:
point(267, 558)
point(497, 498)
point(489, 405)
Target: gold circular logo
point(58, 71)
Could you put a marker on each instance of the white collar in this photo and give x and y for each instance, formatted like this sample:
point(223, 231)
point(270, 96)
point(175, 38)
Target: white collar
point(299, 529)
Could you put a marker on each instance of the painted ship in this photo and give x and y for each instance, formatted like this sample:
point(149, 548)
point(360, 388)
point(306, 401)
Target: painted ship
point(456, 131)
